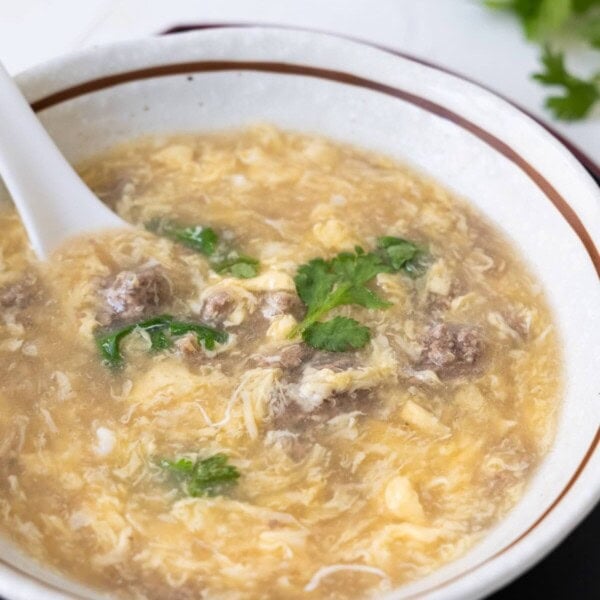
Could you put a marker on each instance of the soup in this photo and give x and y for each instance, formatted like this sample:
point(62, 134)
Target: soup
point(309, 372)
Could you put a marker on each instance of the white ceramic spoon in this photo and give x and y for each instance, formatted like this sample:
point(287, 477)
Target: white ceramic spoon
point(51, 198)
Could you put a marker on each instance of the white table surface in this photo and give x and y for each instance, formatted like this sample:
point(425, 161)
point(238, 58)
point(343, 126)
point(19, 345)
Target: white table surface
point(460, 35)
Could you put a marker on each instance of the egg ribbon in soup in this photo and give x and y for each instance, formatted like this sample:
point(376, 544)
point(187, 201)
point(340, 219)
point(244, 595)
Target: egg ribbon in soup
point(309, 373)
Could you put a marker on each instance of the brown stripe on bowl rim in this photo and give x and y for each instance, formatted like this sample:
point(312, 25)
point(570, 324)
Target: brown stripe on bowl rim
point(186, 68)
point(591, 166)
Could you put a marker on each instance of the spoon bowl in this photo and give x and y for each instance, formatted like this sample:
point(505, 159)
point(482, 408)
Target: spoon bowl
point(52, 200)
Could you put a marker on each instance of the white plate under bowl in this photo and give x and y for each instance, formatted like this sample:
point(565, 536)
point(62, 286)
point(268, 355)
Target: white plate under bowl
point(465, 137)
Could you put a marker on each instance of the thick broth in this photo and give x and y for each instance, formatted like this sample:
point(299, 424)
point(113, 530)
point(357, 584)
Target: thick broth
point(400, 464)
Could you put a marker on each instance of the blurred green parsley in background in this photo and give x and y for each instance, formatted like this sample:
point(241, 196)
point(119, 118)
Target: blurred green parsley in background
point(555, 24)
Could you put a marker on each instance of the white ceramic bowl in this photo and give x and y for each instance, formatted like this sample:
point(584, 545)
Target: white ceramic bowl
point(463, 136)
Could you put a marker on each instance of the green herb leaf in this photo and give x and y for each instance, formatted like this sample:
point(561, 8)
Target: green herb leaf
point(206, 241)
point(557, 21)
point(539, 18)
point(183, 466)
point(109, 345)
point(590, 30)
point(581, 6)
point(324, 285)
point(339, 334)
point(208, 477)
point(579, 95)
point(314, 282)
point(201, 239)
point(160, 330)
point(404, 255)
point(238, 265)
point(358, 269)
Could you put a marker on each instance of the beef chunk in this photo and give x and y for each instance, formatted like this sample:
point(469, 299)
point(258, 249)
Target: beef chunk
point(451, 350)
point(134, 294)
point(286, 357)
point(279, 303)
point(217, 307)
point(19, 294)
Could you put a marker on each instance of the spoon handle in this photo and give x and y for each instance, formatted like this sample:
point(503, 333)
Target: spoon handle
point(52, 200)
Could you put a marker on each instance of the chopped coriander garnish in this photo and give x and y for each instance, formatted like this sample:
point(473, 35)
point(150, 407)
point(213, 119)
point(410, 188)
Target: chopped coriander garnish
point(160, 330)
point(208, 477)
point(238, 265)
point(579, 95)
point(538, 17)
point(339, 334)
point(403, 255)
point(326, 284)
point(204, 240)
point(557, 22)
point(201, 239)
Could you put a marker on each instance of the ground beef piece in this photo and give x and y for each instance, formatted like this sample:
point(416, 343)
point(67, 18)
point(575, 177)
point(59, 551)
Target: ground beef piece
point(287, 357)
point(451, 349)
point(217, 307)
point(133, 294)
point(19, 294)
point(279, 303)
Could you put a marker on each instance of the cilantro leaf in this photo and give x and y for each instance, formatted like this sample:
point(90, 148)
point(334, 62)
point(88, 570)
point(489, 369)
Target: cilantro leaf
point(403, 255)
point(204, 240)
point(539, 18)
point(358, 267)
point(324, 285)
point(560, 20)
point(314, 282)
point(579, 95)
point(160, 330)
point(201, 239)
point(183, 466)
point(208, 477)
point(239, 265)
point(581, 6)
point(339, 334)
point(589, 29)
point(109, 345)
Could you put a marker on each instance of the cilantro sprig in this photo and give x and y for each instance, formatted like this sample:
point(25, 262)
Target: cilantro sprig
point(344, 280)
point(326, 284)
point(161, 330)
point(238, 265)
point(559, 21)
point(404, 255)
point(340, 334)
point(206, 241)
point(208, 477)
point(200, 239)
point(579, 95)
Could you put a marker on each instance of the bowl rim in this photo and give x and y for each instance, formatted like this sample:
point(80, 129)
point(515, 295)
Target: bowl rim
point(489, 582)
point(592, 166)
